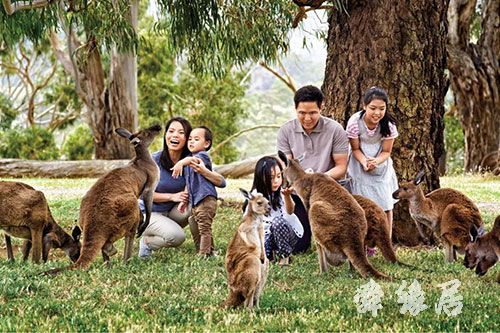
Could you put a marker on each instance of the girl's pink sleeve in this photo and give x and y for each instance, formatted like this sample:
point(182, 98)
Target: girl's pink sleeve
point(352, 128)
point(394, 132)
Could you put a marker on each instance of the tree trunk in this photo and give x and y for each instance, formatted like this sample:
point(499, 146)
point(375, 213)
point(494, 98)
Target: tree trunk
point(110, 105)
point(475, 74)
point(400, 46)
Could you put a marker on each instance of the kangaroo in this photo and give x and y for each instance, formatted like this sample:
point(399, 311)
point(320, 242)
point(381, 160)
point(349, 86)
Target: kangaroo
point(110, 210)
point(246, 262)
point(483, 251)
point(447, 212)
point(25, 213)
point(338, 222)
point(378, 228)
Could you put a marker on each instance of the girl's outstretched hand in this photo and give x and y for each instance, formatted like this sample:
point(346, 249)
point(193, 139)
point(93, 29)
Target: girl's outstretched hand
point(287, 191)
point(177, 170)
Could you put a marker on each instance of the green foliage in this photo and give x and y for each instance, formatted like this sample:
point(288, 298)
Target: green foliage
point(178, 291)
point(7, 113)
point(106, 20)
point(166, 91)
point(80, 144)
point(217, 33)
point(455, 144)
point(32, 143)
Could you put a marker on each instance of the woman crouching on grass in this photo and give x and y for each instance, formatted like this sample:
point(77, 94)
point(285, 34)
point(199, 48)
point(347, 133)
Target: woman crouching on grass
point(282, 228)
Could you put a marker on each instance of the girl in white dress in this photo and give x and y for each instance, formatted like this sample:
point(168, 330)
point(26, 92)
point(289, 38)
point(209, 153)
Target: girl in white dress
point(371, 133)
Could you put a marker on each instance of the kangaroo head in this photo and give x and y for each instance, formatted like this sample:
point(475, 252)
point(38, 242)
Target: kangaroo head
point(292, 170)
point(59, 239)
point(257, 203)
point(144, 137)
point(479, 253)
point(72, 246)
point(408, 190)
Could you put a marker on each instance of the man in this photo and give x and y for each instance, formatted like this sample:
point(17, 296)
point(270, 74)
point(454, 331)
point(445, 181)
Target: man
point(321, 140)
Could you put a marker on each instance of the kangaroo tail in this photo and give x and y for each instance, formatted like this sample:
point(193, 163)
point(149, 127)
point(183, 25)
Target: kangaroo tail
point(357, 257)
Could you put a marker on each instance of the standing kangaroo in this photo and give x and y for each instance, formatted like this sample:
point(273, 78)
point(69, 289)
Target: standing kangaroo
point(110, 210)
point(25, 213)
point(338, 222)
point(483, 251)
point(447, 212)
point(246, 262)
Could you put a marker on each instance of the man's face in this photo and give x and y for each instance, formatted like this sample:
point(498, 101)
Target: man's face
point(308, 114)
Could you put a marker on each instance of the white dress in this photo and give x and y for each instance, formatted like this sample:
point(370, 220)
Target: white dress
point(378, 184)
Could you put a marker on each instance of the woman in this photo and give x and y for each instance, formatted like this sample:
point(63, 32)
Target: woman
point(166, 225)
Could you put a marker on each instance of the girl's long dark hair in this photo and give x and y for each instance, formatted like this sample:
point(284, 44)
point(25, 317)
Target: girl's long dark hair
point(263, 180)
point(381, 94)
point(165, 160)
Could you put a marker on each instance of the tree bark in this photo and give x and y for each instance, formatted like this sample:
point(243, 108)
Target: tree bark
point(475, 75)
point(399, 46)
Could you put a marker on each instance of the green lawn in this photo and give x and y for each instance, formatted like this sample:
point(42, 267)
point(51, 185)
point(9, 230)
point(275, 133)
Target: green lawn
point(177, 291)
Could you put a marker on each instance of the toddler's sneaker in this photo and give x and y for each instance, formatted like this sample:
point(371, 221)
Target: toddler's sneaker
point(144, 250)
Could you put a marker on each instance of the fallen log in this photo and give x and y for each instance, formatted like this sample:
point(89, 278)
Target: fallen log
point(16, 168)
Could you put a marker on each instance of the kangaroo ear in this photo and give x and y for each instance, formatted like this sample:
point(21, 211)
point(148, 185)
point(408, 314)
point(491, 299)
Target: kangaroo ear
point(419, 177)
point(156, 128)
point(246, 194)
point(123, 132)
point(283, 157)
point(52, 239)
point(76, 233)
point(473, 233)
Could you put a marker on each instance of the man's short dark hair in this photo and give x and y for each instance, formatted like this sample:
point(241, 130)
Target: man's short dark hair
point(308, 94)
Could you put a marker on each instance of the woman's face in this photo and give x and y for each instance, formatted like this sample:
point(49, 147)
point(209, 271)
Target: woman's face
point(375, 111)
point(175, 136)
point(276, 179)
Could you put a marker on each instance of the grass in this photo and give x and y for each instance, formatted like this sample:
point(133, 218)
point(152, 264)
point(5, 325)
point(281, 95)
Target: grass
point(177, 291)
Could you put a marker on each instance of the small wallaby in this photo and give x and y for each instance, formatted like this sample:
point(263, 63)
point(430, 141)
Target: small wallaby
point(483, 251)
point(338, 222)
point(447, 212)
point(110, 209)
point(246, 262)
point(25, 213)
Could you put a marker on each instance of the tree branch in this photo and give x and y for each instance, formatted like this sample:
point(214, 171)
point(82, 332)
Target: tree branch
point(288, 80)
point(11, 8)
point(235, 135)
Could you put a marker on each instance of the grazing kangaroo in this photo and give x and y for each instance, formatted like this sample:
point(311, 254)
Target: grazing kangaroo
point(338, 222)
point(110, 210)
point(25, 213)
point(447, 212)
point(246, 262)
point(483, 251)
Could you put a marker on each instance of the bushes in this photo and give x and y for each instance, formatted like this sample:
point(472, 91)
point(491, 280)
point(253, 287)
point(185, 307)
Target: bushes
point(31, 143)
point(79, 145)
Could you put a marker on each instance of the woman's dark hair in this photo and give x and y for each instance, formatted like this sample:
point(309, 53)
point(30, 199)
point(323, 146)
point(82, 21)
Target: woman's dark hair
point(263, 180)
point(165, 160)
point(381, 94)
point(308, 94)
